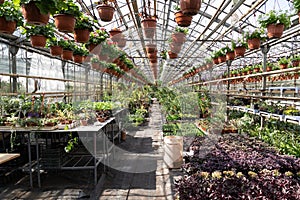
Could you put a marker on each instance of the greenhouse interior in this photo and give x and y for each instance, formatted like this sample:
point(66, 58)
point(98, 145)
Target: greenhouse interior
point(150, 99)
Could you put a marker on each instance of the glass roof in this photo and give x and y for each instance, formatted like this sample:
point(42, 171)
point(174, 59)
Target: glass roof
point(218, 22)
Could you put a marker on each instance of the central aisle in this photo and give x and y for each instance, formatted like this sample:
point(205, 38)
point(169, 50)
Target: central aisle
point(138, 170)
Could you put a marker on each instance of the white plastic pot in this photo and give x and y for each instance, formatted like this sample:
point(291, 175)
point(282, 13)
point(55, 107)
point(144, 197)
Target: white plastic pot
point(173, 151)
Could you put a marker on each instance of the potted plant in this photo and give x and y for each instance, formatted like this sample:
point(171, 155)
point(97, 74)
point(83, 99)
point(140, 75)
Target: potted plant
point(254, 38)
point(115, 34)
point(295, 59)
point(269, 66)
point(221, 55)
point(172, 55)
point(214, 57)
point(275, 22)
point(179, 34)
point(240, 47)
point(229, 53)
point(96, 38)
point(37, 12)
point(10, 17)
point(95, 63)
point(283, 62)
point(55, 46)
point(68, 48)
point(79, 52)
point(257, 68)
point(121, 43)
point(190, 7)
point(66, 15)
point(296, 4)
point(106, 10)
point(83, 27)
point(38, 34)
point(182, 19)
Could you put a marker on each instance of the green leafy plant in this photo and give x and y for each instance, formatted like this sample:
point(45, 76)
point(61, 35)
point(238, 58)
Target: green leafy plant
point(283, 61)
point(53, 41)
point(68, 7)
point(296, 4)
point(46, 30)
point(257, 33)
point(274, 17)
point(295, 58)
point(178, 29)
point(68, 45)
point(98, 36)
point(49, 6)
point(11, 12)
point(84, 22)
point(80, 50)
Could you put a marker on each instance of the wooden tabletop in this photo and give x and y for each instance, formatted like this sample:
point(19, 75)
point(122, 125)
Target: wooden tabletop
point(5, 157)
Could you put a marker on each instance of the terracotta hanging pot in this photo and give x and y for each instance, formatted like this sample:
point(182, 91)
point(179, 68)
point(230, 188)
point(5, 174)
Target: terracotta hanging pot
point(268, 69)
point(222, 59)
point(239, 51)
point(38, 40)
point(122, 42)
point(172, 55)
point(215, 61)
point(150, 48)
point(78, 58)
point(230, 55)
point(253, 43)
point(81, 35)
point(1, 1)
point(33, 15)
point(149, 27)
point(175, 48)
point(190, 7)
point(115, 35)
point(67, 55)
point(256, 69)
point(7, 27)
point(283, 66)
point(275, 30)
point(182, 19)
point(65, 23)
point(152, 55)
point(178, 38)
point(95, 48)
point(56, 50)
point(295, 63)
point(106, 12)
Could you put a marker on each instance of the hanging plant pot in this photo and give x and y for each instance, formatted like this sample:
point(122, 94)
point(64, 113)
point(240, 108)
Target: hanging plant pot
point(56, 50)
point(175, 48)
point(115, 35)
point(253, 43)
point(122, 42)
point(190, 7)
point(82, 35)
point(295, 63)
point(239, 51)
point(95, 48)
point(33, 15)
point(150, 48)
point(275, 30)
point(7, 27)
point(268, 69)
point(149, 27)
point(67, 55)
point(215, 61)
point(65, 23)
point(38, 40)
point(178, 38)
point(182, 19)
point(1, 1)
point(222, 59)
point(78, 58)
point(256, 69)
point(230, 55)
point(172, 55)
point(106, 12)
point(152, 55)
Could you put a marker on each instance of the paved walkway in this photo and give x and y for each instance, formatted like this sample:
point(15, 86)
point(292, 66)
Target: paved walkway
point(138, 171)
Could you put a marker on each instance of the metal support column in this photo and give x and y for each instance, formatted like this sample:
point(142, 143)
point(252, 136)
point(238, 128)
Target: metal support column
point(87, 70)
point(228, 62)
point(13, 50)
point(101, 85)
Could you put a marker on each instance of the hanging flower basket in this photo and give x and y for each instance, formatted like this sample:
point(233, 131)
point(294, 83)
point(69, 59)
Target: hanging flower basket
point(38, 40)
point(149, 27)
point(175, 48)
point(152, 55)
point(215, 61)
point(33, 15)
point(7, 27)
point(95, 48)
point(122, 42)
point(151, 48)
point(275, 30)
point(115, 34)
point(230, 55)
point(190, 7)
point(106, 12)
point(222, 59)
point(78, 58)
point(253, 43)
point(67, 55)
point(178, 38)
point(65, 22)
point(172, 55)
point(295, 63)
point(56, 50)
point(82, 35)
point(182, 19)
point(240, 51)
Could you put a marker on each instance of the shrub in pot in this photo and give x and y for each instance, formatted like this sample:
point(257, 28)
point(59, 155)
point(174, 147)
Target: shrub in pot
point(255, 38)
point(83, 27)
point(66, 15)
point(275, 22)
point(10, 17)
point(38, 34)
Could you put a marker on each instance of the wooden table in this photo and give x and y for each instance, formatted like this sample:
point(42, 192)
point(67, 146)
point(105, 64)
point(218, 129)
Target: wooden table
point(5, 157)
